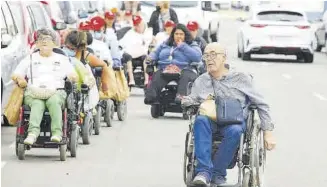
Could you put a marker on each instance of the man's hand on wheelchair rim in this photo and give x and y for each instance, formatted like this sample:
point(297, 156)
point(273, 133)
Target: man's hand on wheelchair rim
point(269, 140)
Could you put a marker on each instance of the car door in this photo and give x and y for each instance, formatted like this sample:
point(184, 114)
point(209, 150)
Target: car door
point(9, 53)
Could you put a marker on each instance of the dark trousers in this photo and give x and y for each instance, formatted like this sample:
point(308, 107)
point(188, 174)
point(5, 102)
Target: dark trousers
point(159, 82)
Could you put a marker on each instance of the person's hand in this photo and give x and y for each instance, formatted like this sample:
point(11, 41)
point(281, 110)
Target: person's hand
point(20, 81)
point(179, 42)
point(73, 78)
point(269, 140)
point(148, 60)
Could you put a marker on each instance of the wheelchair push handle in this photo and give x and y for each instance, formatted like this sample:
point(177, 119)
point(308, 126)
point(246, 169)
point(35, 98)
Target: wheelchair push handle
point(85, 89)
point(118, 68)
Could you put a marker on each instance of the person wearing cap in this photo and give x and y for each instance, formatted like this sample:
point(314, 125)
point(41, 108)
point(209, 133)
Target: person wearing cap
point(48, 71)
point(135, 45)
point(163, 36)
point(162, 14)
point(100, 48)
point(231, 84)
point(193, 27)
point(110, 18)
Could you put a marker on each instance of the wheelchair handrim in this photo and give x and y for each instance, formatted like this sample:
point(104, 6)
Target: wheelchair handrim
point(259, 158)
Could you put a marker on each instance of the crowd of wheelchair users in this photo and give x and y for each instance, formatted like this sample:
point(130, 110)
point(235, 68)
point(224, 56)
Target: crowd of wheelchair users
point(177, 48)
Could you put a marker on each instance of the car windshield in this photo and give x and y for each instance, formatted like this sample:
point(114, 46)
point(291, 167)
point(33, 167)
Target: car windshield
point(173, 4)
point(280, 16)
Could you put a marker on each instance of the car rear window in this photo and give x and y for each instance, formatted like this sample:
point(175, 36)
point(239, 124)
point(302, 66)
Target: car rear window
point(280, 16)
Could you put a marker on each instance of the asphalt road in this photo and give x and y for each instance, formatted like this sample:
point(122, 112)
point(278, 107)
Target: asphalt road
point(146, 152)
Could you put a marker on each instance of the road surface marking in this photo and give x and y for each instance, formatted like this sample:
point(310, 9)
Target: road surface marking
point(3, 163)
point(287, 76)
point(319, 96)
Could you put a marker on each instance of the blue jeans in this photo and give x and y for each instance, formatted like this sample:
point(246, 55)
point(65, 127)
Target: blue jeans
point(203, 130)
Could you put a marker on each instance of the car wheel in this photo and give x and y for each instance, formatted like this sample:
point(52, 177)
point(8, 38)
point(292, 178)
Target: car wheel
point(316, 45)
point(308, 57)
point(239, 54)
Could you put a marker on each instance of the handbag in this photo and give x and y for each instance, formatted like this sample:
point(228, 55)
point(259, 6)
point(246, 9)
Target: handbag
point(229, 111)
point(38, 92)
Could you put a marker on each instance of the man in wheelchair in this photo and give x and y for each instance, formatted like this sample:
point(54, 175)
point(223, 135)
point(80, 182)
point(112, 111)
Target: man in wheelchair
point(222, 83)
point(174, 56)
point(135, 45)
point(45, 72)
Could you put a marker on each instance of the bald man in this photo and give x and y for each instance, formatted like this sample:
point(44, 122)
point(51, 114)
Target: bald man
point(226, 84)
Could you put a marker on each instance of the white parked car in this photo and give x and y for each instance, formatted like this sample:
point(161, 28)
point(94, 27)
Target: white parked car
point(276, 31)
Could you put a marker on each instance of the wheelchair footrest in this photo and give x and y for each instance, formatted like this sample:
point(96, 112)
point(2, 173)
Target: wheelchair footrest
point(48, 145)
point(229, 185)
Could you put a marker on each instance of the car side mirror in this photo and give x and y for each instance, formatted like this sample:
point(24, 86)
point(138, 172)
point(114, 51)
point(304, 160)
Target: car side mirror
point(5, 40)
point(206, 5)
point(82, 14)
point(60, 26)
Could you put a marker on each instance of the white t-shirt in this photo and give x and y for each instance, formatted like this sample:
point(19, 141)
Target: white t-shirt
point(101, 50)
point(48, 72)
point(135, 44)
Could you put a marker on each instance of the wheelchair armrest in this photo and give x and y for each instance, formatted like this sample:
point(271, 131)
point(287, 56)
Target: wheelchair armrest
point(98, 71)
point(253, 107)
point(149, 69)
point(194, 64)
point(84, 89)
point(69, 86)
point(192, 109)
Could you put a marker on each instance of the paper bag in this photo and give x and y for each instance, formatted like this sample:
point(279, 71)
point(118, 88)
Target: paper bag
point(208, 108)
point(12, 108)
point(112, 90)
point(122, 86)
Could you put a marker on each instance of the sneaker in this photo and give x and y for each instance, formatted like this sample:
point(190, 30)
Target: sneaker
point(218, 180)
point(30, 140)
point(56, 139)
point(202, 179)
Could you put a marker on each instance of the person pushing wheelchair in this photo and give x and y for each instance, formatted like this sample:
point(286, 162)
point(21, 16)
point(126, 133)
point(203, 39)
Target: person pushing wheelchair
point(224, 83)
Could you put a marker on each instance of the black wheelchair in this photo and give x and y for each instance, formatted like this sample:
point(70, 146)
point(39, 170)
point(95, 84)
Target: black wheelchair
point(168, 93)
point(69, 129)
point(250, 157)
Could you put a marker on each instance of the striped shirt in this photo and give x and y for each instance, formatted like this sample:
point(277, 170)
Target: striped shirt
point(234, 85)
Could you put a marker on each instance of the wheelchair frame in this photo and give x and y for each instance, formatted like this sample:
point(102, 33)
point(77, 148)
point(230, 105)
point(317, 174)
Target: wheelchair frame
point(250, 157)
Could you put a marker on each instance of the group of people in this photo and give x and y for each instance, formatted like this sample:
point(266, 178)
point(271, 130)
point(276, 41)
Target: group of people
point(177, 46)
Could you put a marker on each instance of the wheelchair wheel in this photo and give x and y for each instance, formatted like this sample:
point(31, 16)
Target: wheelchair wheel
point(87, 128)
point(188, 167)
point(110, 111)
point(155, 111)
point(20, 151)
point(97, 120)
point(122, 110)
point(257, 156)
point(73, 143)
point(246, 179)
point(63, 149)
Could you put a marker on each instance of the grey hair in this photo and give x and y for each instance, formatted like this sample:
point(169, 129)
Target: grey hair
point(47, 32)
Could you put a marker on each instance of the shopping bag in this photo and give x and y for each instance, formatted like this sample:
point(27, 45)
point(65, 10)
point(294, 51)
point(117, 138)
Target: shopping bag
point(208, 108)
point(112, 86)
point(12, 109)
point(122, 86)
point(93, 97)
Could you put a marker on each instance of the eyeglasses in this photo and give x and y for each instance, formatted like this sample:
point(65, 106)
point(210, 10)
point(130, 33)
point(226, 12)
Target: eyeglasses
point(211, 55)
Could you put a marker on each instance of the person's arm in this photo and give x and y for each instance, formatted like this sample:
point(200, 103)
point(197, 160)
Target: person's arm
point(193, 51)
point(153, 21)
point(155, 54)
point(20, 72)
point(257, 99)
point(173, 16)
point(193, 98)
point(69, 69)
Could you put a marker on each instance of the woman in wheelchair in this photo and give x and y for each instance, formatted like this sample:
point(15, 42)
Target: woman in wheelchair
point(174, 55)
point(225, 83)
point(76, 43)
point(45, 72)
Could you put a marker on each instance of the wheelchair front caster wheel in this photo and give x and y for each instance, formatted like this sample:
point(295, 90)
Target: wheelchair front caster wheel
point(73, 143)
point(155, 111)
point(246, 179)
point(63, 149)
point(122, 110)
point(20, 151)
point(110, 111)
point(87, 128)
point(97, 120)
